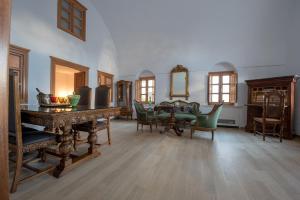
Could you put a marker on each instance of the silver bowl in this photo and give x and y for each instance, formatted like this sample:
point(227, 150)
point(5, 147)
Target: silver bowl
point(44, 99)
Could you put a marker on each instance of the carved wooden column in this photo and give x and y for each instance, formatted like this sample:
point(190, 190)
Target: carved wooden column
point(108, 129)
point(92, 138)
point(65, 148)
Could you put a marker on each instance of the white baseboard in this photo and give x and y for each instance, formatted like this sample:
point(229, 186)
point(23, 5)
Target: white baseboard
point(297, 132)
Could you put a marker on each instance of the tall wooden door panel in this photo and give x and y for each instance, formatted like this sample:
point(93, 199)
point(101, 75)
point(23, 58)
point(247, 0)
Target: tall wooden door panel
point(79, 80)
point(18, 60)
point(107, 80)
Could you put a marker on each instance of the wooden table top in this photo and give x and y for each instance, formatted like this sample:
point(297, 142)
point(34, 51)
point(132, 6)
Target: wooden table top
point(39, 109)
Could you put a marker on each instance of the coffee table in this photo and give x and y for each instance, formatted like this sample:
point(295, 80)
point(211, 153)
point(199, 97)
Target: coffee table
point(172, 123)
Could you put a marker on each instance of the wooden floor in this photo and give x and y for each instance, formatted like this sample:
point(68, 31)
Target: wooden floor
point(138, 166)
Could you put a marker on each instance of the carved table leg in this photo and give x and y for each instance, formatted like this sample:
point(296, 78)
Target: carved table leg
point(108, 131)
point(42, 152)
point(177, 130)
point(65, 149)
point(171, 124)
point(92, 138)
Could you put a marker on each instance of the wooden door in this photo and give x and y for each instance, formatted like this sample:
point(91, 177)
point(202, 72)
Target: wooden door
point(18, 60)
point(79, 80)
point(5, 16)
point(107, 80)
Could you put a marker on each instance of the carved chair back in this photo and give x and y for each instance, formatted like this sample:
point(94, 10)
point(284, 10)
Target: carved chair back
point(214, 115)
point(274, 105)
point(85, 93)
point(15, 126)
point(102, 96)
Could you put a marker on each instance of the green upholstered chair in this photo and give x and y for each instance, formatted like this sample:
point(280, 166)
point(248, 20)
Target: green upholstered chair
point(144, 117)
point(207, 122)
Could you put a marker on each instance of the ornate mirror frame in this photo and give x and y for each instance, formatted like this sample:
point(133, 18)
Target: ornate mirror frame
point(179, 69)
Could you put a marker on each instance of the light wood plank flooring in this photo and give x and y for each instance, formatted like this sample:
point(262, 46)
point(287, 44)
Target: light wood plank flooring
point(140, 166)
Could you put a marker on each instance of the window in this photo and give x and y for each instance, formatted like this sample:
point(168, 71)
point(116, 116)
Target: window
point(71, 17)
point(108, 80)
point(145, 89)
point(222, 86)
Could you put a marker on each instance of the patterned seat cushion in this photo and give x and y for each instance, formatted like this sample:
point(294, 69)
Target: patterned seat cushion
point(33, 137)
point(85, 127)
point(28, 129)
point(268, 120)
point(178, 116)
point(25, 130)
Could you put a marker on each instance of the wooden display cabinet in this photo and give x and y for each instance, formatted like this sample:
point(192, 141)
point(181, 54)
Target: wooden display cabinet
point(256, 89)
point(124, 98)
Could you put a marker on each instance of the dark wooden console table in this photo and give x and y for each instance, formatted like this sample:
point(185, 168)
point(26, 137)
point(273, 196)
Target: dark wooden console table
point(60, 121)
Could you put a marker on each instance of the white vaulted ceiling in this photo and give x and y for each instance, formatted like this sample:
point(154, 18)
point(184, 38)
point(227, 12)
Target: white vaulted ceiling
point(158, 34)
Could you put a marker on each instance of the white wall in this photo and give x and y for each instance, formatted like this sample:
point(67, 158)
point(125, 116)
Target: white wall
point(159, 34)
point(259, 37)
point(198, 87)
point(34, 27)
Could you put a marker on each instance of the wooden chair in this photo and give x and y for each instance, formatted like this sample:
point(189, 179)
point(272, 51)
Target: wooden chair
point(144, 117)
point(101, 100)
point(85, 93)
point(207, 122)
point(102, 96)
point(23, 140)
point(272, 116)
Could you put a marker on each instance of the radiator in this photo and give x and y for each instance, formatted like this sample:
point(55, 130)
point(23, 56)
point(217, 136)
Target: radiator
point(227, 122)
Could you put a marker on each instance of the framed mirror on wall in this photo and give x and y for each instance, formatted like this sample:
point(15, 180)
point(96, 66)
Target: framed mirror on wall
point(179, 85)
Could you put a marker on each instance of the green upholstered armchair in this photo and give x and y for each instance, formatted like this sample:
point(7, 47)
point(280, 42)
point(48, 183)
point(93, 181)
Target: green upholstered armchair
point(144, 117)
point(207, 122)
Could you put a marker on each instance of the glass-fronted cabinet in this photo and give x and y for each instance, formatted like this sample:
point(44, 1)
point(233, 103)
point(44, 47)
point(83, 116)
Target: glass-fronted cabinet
point(124, 98)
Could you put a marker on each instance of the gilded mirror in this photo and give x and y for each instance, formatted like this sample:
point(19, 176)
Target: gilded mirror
point(179, 86)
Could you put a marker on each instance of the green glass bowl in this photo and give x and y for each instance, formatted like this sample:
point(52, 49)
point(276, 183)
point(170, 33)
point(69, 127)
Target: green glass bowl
point(74, 100)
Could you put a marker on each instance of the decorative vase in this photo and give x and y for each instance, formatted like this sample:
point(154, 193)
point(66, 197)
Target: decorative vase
point(74, 100)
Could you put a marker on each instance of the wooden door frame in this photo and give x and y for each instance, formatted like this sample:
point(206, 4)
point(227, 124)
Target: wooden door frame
point(58, 61)
point(5, 16)
point(21, 51)
point(112, 84)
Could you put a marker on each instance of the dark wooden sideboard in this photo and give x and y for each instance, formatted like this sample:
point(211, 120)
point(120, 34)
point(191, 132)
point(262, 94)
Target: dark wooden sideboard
point(255, 100)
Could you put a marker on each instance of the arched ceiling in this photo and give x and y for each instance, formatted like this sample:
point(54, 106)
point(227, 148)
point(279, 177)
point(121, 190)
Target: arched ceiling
point(159, 34)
